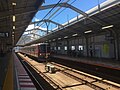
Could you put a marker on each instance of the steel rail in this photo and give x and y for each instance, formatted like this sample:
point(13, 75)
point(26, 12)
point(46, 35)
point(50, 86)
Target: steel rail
point(96, 79)
point(32, 76)
point(56, 86)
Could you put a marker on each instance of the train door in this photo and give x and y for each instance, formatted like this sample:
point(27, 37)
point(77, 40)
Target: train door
point(42, 50)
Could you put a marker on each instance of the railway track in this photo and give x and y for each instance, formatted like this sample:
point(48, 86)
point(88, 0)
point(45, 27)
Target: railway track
point(56, 86)
point(44, 76)
point(87, 79)
point(92, 82)
point(37, 80)
point(105, 73)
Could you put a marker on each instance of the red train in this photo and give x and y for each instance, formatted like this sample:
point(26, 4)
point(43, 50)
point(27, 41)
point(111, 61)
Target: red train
point(41, 51)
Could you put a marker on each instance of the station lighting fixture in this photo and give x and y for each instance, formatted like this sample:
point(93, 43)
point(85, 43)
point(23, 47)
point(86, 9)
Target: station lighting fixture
point(106, 27)
point(49, 40)
point(59, 38)
point(13, 27)
point(13, 32)
point(66, 37)
point(74, 35)
point(12, 35)
point(88, 31)
point(14, 4)
point(14, 18)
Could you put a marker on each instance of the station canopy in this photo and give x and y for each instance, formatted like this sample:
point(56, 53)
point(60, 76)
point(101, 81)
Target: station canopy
point(15, 16)
point(62, 19)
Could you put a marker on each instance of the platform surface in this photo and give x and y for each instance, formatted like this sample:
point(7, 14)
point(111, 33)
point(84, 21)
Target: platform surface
point(110, 63)
point(4, 63)
point(24, 81)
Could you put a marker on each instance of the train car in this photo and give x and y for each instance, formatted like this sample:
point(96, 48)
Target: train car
point(41, 51)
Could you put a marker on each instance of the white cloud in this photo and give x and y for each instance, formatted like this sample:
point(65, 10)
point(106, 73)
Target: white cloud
point(41, 28)
point(36, 19)
point(30, 27)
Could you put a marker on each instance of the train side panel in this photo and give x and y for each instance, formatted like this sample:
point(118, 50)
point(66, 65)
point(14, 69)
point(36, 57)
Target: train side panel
point(41, 52)
point(44, 52)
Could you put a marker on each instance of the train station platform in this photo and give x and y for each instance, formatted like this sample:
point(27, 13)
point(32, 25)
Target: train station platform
point(108, 63)
point(23, 79)
point(14, 76)
point(4, 63)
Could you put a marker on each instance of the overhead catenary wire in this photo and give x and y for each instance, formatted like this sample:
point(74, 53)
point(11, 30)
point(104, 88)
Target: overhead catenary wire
point(62, 10)
point(54, 12)
point(50, 10)
point(57, 10)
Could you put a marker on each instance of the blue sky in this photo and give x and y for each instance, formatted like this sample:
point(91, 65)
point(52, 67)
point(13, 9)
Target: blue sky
point(67, 13)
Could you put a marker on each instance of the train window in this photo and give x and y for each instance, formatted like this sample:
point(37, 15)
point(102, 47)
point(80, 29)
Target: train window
point(48, 48)
point(58, 48)
point(44, 48)
point(33, 49)
point(72, 47)
point(80, 47)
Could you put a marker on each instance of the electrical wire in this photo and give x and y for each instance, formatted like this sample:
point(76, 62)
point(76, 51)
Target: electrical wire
point(62, 11)
point(55, 11)
point(58, 10)
point(50, 11)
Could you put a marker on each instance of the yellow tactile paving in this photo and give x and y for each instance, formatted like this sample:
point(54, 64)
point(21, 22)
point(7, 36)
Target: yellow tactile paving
point(8, 83)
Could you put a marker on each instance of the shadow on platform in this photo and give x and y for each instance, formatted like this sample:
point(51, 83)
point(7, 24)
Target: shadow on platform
point(4, 60)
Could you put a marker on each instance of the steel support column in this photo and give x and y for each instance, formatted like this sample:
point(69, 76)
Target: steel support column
point(116, 45)
point(86, 45)
point(68, 48)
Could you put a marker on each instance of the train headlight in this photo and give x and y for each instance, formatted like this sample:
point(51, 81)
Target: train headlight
point(40, 54)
